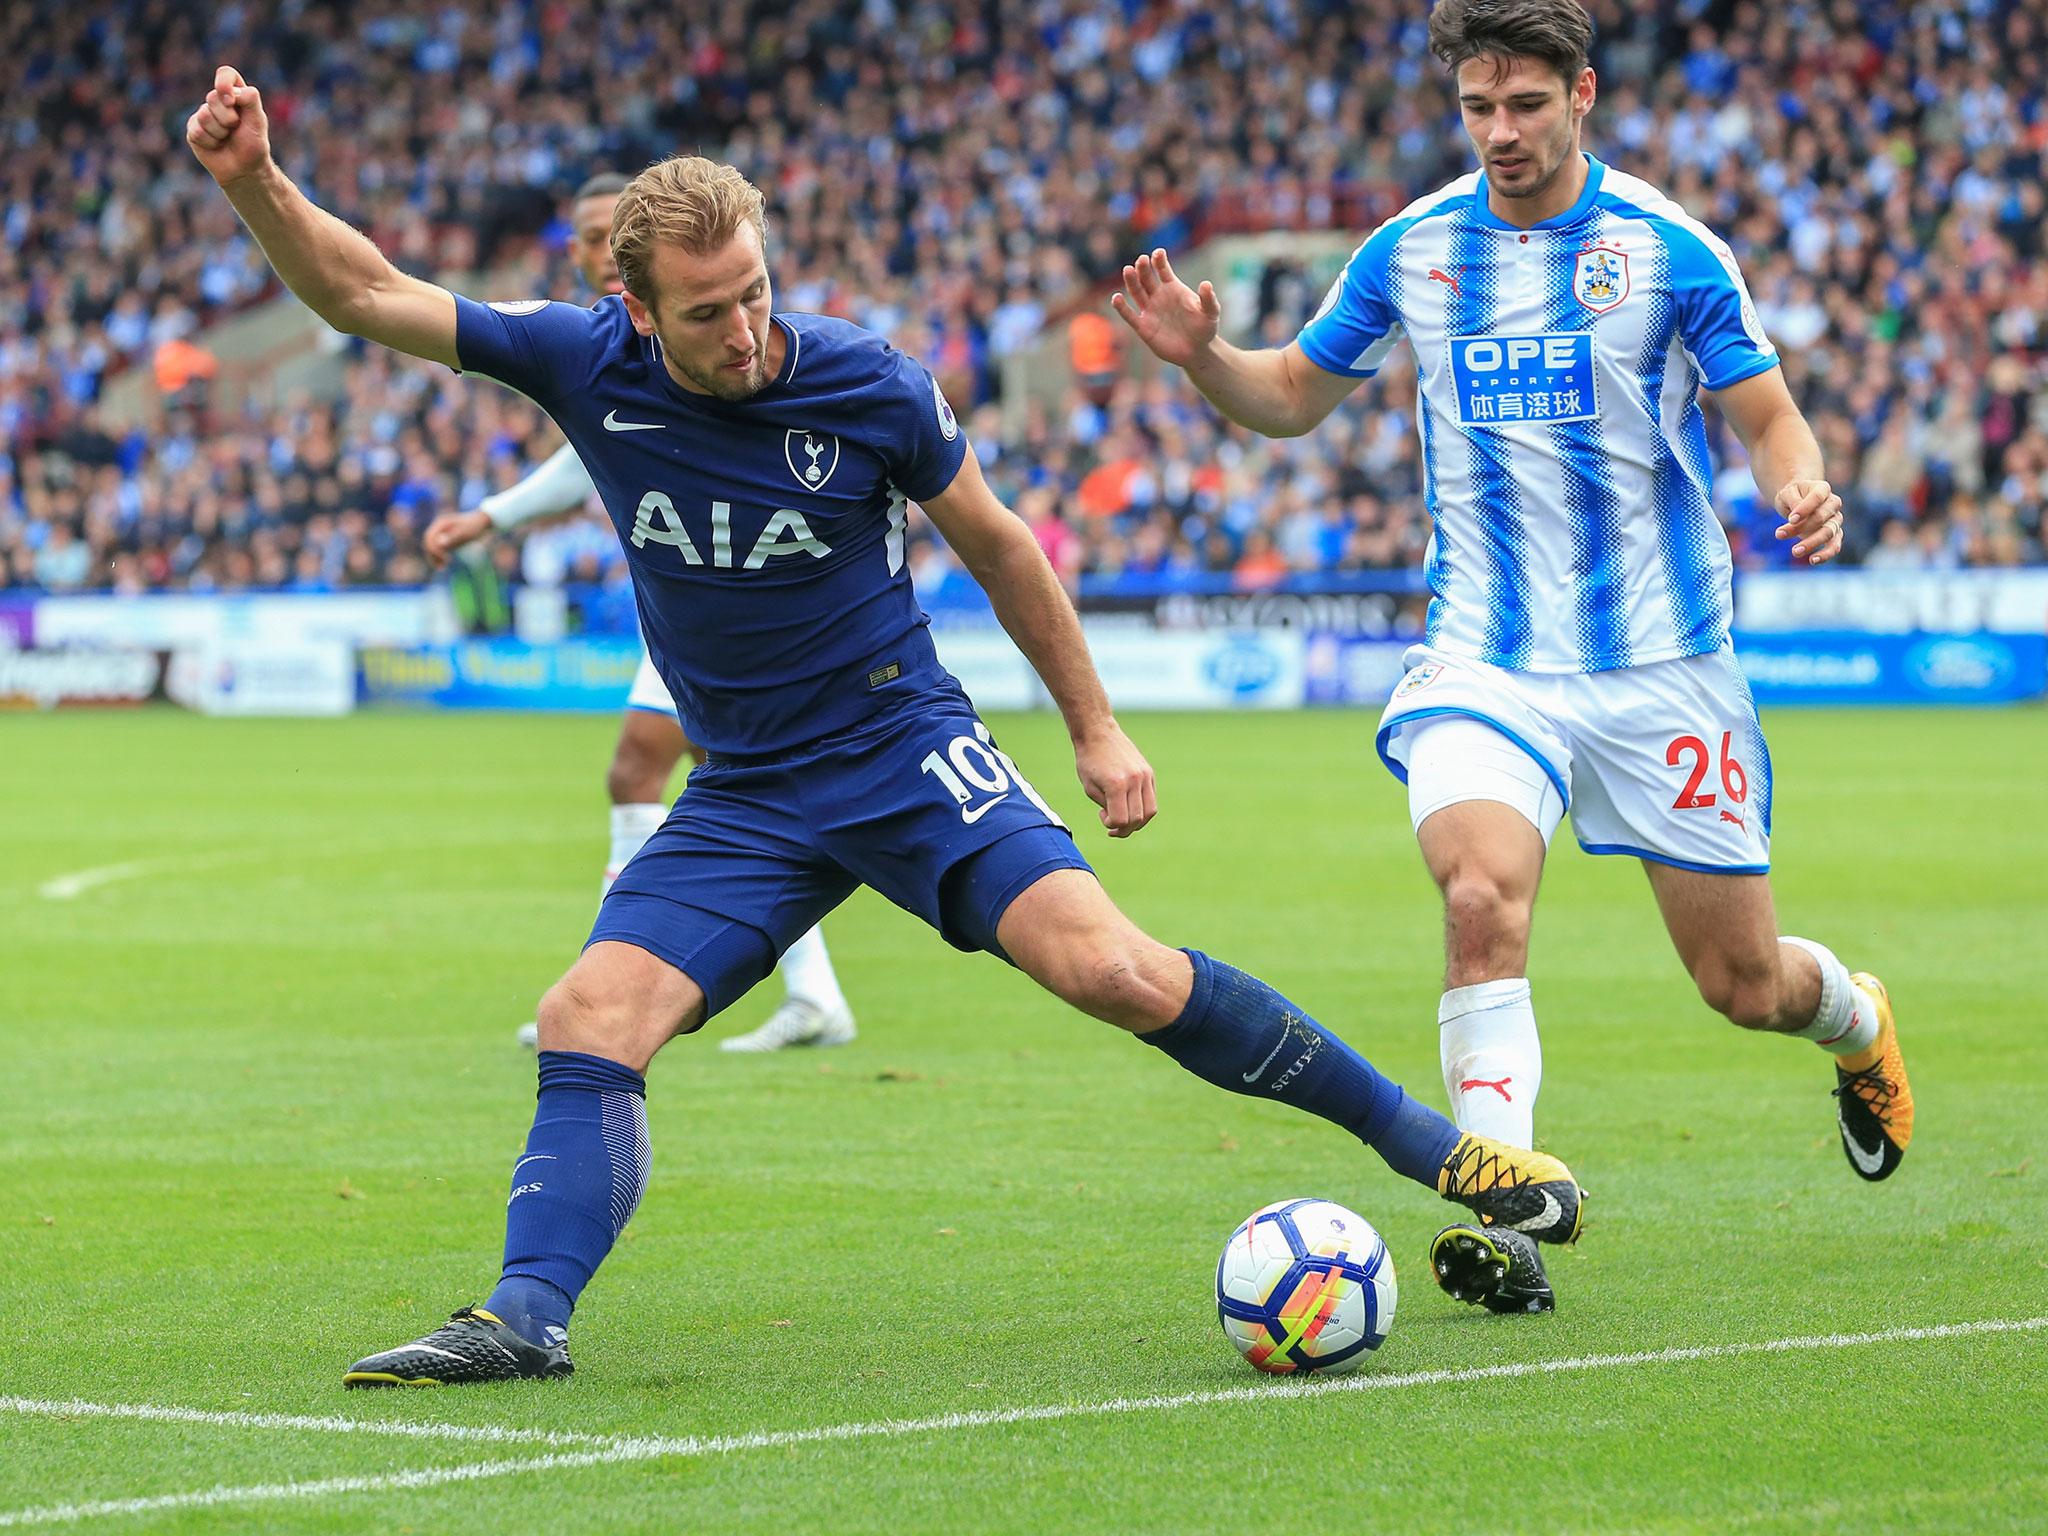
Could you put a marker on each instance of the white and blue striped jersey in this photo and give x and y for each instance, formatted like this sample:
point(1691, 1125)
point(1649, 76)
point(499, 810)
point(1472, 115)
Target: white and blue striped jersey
point(1564, 455)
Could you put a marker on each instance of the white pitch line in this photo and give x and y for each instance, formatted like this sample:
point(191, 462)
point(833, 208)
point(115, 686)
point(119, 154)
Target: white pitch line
point(493, 1434)
point(69, 887)
point(75, 884)
point(78, 882)
point(654, 1448)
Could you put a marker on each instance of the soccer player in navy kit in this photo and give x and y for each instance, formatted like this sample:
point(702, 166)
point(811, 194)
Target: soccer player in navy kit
point(651, 740)
point(756, 467)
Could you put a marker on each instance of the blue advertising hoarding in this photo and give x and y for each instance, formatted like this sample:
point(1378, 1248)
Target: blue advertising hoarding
point(1794, 667)
point(1168, 670)
point(17, 623)
point(500, 674)
point(1847, 667)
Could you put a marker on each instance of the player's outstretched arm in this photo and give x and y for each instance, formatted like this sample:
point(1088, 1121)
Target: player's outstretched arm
point(995, 545)
point(1275, 393)
point(1785, 459)
point(559, 486)
point(335, 271)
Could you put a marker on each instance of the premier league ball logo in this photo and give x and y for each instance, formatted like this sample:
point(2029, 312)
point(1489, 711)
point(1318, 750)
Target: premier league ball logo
point(1600, 280)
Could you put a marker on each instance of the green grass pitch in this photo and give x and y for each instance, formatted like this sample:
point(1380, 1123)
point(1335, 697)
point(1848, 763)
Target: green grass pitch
point(258, 985)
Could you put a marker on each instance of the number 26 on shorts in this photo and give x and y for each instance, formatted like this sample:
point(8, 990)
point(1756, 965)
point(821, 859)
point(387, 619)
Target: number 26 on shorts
point(1734, 782)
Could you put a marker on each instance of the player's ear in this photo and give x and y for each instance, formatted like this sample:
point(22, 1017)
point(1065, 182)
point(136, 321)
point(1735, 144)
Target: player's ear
point(641, 316)
point(1584, 91)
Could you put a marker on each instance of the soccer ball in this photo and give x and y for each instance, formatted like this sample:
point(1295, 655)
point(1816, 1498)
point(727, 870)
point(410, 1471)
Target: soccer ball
point(1305, 1285)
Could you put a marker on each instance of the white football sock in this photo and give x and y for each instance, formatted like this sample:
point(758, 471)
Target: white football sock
point(807, 972)
point(1846, 1021)
point(632, 825)
point(1493, 1062)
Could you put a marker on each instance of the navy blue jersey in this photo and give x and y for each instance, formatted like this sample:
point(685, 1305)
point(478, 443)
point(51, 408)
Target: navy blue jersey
point(765, 536)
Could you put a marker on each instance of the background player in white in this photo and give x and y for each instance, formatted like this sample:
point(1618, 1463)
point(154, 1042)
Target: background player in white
point(651, 741)
point(1563, 317)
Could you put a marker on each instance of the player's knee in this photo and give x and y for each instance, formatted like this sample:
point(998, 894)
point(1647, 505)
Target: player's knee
point(1123, 983)
point(1484, 922)
point(573, 1017)
point(635, 776)
point(1743, 991)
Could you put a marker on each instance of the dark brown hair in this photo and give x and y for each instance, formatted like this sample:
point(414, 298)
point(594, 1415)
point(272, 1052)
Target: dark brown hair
point(1553, 32)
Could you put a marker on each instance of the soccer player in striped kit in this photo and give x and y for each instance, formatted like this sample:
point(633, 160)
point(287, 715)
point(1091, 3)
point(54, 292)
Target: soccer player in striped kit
point(1563, 318)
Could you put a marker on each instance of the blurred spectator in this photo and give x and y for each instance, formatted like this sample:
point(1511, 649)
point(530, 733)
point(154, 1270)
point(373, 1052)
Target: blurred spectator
point(969, 180)
point(184, 373)
point(1095, 354)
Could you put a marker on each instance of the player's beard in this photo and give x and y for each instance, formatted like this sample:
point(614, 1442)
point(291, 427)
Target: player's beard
point(1547, 161)
point(726, 384)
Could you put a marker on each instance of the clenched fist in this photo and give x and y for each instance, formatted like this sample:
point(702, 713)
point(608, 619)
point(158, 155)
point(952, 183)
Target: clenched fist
point(229, 132)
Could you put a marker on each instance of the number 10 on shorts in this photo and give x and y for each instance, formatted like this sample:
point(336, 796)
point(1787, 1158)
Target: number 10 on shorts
point(1734, 782)
point(974, 769)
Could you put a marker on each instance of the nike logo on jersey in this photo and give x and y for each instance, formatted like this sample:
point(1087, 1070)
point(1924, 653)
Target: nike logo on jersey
point(613, 424)
point(1436, 275)
point(1500, 1087)
point(971, 817)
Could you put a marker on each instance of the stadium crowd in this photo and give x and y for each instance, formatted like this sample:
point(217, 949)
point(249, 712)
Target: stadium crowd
point(965, 179)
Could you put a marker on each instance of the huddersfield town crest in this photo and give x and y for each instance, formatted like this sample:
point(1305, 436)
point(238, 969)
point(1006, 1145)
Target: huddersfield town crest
point(811, 456)
point(1419, 679)
point(1600, 280)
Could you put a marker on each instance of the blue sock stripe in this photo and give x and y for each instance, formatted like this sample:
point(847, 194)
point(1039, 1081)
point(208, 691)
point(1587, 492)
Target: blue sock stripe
point(623, 1122)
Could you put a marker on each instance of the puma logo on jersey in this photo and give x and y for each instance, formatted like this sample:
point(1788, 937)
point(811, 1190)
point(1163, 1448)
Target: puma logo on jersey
point(1500, 1087)
point(1437, 275)
point(1731, 816)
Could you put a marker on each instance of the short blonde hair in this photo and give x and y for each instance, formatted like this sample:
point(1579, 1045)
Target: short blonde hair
point(685, 201)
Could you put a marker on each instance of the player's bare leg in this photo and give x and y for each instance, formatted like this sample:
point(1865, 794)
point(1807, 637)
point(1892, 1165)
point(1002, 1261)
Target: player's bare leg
point(1484, 811)
point(1726, 931)
point(577, 1184)
point(644, 759)
point(650, 745)
point(1234, 1031)
point(1487, 861)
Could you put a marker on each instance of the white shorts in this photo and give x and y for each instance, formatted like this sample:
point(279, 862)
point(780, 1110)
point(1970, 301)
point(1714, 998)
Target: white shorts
point(1664, 761)
point(649, 691)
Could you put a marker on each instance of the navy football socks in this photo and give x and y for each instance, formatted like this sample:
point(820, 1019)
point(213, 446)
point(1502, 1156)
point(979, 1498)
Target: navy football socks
point(573, 1190)
point(1239, 1034)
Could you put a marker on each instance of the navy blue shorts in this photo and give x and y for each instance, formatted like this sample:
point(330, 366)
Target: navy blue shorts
point(919, 803)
